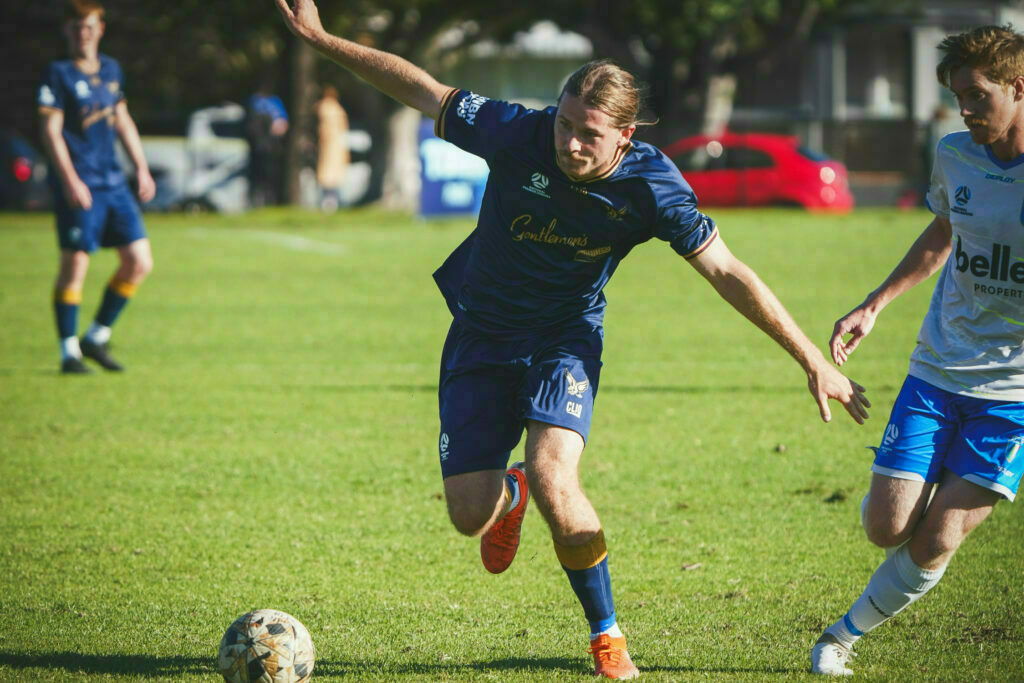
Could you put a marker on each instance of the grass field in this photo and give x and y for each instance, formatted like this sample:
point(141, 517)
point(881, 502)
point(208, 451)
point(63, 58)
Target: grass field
point(273, 444)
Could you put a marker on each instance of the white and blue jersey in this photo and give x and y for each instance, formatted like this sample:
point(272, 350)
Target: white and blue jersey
point(88, 102)
point(962, 406)
point(545, 245)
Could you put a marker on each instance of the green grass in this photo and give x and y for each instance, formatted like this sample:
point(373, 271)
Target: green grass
point(273, 445)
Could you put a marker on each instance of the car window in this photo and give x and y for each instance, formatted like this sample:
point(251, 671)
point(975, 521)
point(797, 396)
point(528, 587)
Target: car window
point(708, 157)
point(811, 154)
point(747, 157)
point(228, 129)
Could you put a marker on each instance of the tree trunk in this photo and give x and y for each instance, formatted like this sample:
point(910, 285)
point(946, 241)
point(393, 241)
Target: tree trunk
point(301, 140)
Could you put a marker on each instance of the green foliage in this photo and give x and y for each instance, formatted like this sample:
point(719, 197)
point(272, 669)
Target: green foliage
point(273, 444)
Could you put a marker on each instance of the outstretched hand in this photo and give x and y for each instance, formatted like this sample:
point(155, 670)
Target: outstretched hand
point(858, 323)
point(301, 17)
point(826, 382)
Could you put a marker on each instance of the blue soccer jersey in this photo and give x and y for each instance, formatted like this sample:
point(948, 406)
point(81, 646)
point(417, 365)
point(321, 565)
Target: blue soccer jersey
point(88, 102)
point(545, 245)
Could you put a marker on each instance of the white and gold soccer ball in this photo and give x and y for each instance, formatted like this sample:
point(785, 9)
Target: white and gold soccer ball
point(267, 646)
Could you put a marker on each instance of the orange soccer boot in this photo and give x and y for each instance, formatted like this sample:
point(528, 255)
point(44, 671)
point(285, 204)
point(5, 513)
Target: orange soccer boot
point(499, 545)
point(611, 659)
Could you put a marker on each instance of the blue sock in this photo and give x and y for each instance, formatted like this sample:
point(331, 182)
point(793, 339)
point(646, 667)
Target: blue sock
point(115, 298)
point(587, 569)
point(65, 308)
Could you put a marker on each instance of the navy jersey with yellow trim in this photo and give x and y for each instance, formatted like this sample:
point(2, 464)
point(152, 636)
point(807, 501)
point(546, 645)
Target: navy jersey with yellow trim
point(88, 102)
point(544, 245)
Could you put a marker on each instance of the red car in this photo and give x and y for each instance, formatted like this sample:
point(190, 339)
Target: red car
point(760, 169)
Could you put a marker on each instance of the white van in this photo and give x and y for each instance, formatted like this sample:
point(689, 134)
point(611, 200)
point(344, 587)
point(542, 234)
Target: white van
point(207, 170)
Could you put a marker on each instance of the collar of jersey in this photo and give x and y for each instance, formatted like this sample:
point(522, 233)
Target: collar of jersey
point(1003, 164)
point(619, 156)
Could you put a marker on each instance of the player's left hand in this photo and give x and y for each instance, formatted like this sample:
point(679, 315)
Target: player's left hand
point(147, 187)
point(826, 382)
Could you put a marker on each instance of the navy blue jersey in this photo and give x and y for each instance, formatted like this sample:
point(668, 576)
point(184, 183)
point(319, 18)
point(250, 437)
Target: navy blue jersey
point(544, 245)
point(88, 102)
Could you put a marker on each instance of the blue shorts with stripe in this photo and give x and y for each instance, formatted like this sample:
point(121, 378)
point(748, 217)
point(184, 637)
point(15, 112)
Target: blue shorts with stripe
point(977, 439)
point(490, 387)
point(113, 220)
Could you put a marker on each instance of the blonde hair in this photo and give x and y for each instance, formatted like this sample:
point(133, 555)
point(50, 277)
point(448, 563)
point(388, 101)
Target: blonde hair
point(604, 85)
point(997, 50)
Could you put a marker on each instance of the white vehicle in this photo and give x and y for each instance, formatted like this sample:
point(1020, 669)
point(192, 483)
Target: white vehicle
point(207, 170)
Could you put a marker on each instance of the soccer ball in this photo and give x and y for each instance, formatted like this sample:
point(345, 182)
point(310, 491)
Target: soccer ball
point(267, 646)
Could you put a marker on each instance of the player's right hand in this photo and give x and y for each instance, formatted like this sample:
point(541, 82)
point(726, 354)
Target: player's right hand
point(301, 17)
point(78, 194)
point(857, 323)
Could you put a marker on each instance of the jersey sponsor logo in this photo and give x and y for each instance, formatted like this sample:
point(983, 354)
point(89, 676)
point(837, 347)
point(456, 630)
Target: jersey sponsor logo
point(1002, 266)
point(546, 235)
point(469, 106)
point(576, 388)
point(999, 178)
point(443, 446)
point(538, 185)
point(82, 89)
point(46, 96)
point(591, 255)
point(574, 409)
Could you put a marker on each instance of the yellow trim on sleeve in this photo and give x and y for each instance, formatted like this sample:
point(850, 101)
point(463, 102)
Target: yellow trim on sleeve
point(446, 102)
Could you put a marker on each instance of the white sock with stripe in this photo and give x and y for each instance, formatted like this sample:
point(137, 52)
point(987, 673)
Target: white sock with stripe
point(894, 585)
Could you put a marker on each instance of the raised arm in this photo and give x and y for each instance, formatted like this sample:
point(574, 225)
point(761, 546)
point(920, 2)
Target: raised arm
point(743, 289)
point(389, 73)
point(926, 256)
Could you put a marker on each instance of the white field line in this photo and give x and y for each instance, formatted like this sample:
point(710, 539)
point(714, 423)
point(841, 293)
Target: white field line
point(278, 239)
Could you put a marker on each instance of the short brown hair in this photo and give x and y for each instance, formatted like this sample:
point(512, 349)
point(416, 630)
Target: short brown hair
point(997, 50)
point(604, 85)
point(75, 10)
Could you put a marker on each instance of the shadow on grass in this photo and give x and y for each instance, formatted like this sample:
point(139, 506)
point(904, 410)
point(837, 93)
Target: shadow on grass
point(152, 667)
point(605, 389)
point(135, 665)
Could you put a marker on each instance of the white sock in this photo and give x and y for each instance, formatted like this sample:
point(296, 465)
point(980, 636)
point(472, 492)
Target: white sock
point(513, 486)
point(612, 631)
point(69, 348)
point(894, 585)
point(98, 334)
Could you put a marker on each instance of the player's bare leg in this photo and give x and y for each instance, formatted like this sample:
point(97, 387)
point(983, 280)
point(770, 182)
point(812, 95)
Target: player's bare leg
point(552, 468)
point(475, 500)
point(136, 263)
point(956, 509)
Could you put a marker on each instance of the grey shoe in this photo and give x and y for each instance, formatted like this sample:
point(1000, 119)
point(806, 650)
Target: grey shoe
point(101, 354)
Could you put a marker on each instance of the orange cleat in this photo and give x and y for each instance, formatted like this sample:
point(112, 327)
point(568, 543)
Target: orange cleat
point(499, 545)
point(611, 659)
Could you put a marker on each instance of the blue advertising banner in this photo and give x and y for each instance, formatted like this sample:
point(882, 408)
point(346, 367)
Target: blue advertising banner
point(452, 180)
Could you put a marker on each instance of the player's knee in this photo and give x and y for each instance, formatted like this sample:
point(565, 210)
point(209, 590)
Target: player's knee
point(468, 522)
point(470, 517)
point(138, 267)
point(882, 529)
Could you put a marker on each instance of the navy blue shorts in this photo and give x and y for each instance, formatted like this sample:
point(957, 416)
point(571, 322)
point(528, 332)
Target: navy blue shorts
point(489, 388)
point(931, 429)
point(113, 220)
